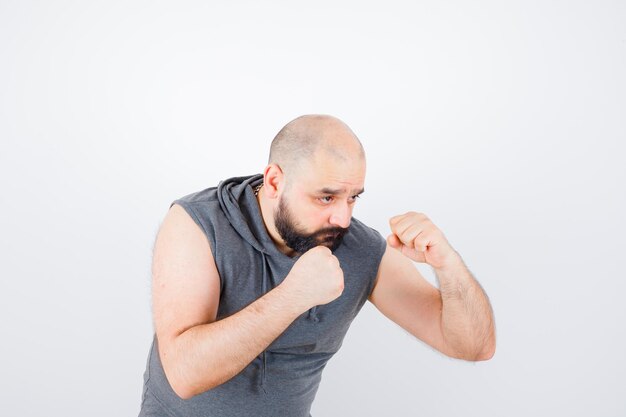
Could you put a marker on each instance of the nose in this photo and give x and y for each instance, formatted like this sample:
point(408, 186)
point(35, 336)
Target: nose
point(341, 215)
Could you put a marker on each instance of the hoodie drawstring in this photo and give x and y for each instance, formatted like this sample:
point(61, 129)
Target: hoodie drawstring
point(313, 314)
point(238, 203)
point(264, 287)
point(263, 379)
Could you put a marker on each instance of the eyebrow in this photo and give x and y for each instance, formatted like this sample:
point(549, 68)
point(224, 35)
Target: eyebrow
point(333, 191)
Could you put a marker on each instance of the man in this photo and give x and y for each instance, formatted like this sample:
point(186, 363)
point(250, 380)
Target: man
point(256, 281)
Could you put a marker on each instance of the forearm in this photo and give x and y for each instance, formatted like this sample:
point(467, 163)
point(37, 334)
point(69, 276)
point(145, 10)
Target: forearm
point(208, 355)
point(467, 318)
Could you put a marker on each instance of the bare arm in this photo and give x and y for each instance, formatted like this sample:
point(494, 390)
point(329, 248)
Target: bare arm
point(208, 355)
point(198, 352)
point(457, 319)
point(466, 317)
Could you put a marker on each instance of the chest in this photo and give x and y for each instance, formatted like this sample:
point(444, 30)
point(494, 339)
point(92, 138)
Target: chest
point(247, 275)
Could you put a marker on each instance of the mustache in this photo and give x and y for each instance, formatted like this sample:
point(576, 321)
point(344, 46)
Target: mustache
point(337, 232)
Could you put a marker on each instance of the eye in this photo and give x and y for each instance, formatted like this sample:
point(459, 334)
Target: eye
point(355, 197)
point(327, 199)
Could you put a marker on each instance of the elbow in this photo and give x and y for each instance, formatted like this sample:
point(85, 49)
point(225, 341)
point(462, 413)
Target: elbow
point(487, 352)
point(488, 347)
point(485, 355)
point(185, 381)
point(180, 381)
point(181, 388)
point(183, 392)
point(172, 373)
point(186, 391)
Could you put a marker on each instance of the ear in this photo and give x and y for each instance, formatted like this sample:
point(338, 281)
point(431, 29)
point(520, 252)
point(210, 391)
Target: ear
point(273, 180)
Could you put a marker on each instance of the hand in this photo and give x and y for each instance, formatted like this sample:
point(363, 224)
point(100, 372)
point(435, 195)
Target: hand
point(316, 278)
point(418, 238)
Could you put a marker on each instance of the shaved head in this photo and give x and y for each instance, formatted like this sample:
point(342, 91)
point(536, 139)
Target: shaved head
point(311, 136)
point(315, 174)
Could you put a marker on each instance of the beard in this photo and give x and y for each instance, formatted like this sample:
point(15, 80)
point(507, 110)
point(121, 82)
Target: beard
point(299, 241)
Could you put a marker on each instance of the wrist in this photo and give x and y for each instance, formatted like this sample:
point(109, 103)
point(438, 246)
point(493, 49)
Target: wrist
point(288, 300)
point(453, 262)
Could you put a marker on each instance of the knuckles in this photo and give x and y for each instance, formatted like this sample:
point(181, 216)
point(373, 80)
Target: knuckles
point(321, 249)
point(411, 215)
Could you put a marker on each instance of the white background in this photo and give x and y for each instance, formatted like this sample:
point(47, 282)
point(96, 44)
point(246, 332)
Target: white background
point(503, 122)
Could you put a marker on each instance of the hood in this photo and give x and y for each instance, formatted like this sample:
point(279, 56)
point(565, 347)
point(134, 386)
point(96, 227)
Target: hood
point(239, 204)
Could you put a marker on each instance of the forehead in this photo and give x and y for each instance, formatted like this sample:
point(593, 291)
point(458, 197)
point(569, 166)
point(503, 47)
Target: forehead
point(330, 172)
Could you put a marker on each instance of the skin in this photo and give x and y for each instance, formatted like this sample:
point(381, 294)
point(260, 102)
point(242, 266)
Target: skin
point(456, 318)
point(199, 352)
point(337, 165)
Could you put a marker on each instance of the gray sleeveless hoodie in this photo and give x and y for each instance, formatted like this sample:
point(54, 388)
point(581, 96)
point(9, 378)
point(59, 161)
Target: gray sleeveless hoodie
point(284, 378)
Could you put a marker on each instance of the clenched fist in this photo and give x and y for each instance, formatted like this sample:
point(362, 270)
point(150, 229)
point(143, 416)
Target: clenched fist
point(316, 278)
point(418, 238)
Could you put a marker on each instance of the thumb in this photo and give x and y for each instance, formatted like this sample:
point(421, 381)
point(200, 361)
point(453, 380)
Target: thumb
point(394, 242)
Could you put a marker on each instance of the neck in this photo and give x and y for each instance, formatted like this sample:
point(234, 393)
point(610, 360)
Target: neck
point(267, 213)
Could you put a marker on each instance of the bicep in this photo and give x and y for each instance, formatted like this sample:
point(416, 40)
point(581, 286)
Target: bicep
point(185, 280)
point(403, 295)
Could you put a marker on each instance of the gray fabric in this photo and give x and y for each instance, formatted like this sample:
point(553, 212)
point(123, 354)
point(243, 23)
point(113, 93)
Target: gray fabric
point(282, 380)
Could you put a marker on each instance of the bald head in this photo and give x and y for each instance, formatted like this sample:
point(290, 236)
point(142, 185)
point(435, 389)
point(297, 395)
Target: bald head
point(311, 136)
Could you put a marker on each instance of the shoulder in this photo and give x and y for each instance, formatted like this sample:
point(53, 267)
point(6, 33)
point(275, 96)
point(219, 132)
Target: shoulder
point(364, 239)
point(208, 195)
point(360, 230)
point(199, 205)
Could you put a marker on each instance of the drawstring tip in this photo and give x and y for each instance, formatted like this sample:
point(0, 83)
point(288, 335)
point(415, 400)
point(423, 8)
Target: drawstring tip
point(313, 314)
point(263, 370)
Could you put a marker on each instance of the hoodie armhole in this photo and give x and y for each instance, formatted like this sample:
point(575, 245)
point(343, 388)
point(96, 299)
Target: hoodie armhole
point(196, 218)
point(379, 251)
